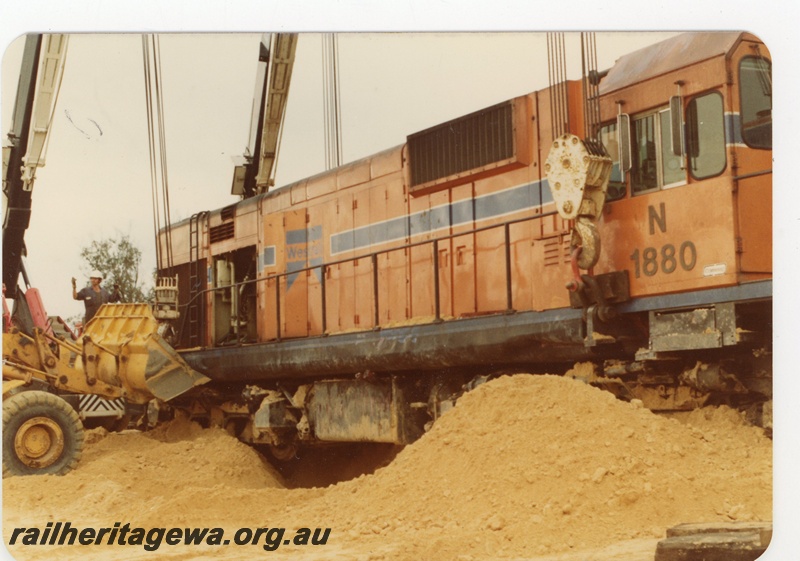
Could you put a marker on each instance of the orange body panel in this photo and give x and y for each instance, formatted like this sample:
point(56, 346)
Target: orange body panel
point(315, 248)
point(755, 224)
point(394, 265)
point(753, 187)
point(361, 305)
point(464, 272)
point(672, 240)
point(342, 275)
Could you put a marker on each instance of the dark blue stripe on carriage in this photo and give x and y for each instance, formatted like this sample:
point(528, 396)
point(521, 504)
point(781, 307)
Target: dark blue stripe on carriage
point(429, 220)
point(463, 211)
point(524, 197)
point(508, 201)
point(303, 235)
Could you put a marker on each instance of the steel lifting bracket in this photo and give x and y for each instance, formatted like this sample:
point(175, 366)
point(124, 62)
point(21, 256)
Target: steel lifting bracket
point(602, 291)
point(597, 295)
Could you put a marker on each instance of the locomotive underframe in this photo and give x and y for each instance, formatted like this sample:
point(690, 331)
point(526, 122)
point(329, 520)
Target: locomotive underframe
point(709, 347)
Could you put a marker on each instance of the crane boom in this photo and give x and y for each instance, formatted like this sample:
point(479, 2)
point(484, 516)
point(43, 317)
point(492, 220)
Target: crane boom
point(280, 76)
point(40, 76)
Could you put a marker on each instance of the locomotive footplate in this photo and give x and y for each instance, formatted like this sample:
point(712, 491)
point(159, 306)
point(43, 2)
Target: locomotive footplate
point(707, 327)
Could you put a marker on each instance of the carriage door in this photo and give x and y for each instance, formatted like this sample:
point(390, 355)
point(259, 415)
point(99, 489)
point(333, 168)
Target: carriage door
point(755, 164)
point(294, 286)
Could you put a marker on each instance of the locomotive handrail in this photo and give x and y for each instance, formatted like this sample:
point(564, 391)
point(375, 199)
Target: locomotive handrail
point(373, 256)
point(754, 174)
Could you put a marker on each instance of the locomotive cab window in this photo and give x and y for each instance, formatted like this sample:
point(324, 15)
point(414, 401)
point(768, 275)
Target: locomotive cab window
point(705, 136)
point(616, 185)
point(755, 82)
point(653, 165)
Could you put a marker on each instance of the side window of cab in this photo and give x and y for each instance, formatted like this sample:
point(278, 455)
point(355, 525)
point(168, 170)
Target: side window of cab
point(616, 185)
point(755, 93)
point(653, 165)
point(705, 136)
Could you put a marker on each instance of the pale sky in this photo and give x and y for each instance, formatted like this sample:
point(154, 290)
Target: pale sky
point(98, 186)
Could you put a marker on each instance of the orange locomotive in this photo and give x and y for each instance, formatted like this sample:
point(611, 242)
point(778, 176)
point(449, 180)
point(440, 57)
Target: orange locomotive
point(357, 305)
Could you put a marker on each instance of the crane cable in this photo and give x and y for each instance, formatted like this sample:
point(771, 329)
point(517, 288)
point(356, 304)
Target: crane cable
point(591, 87)
point(557, 74)
point(151, 147)
point(331, 100)
point(155, 112)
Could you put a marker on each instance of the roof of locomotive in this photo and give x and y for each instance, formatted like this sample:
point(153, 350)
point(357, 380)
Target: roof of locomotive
point(668, 55)
point(277, 191)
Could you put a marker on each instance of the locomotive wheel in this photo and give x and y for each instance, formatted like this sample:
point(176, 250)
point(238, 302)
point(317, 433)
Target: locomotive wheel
point(42, 434)
point(283, 452)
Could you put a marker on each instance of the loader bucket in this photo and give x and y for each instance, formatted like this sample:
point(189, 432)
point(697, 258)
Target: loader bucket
point(166, 374)
point(121, 347)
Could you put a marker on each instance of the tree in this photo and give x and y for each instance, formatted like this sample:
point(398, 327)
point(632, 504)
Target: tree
point(118, 259)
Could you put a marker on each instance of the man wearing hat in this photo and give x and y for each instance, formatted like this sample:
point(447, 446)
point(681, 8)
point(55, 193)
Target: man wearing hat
point(94, 296)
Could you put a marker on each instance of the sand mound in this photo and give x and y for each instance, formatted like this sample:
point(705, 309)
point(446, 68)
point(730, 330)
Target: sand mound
point(522, 466)
point(133, 473)
point(540, 464)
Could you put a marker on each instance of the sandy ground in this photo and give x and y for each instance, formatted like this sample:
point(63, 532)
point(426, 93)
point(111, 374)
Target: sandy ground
point(524, 467)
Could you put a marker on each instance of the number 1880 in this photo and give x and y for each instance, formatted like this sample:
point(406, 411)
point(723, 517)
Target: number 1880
point(650, 260)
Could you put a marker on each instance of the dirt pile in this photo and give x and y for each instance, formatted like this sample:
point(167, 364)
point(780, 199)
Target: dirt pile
point(542, 464)
point(522, 466)
point(135, 473)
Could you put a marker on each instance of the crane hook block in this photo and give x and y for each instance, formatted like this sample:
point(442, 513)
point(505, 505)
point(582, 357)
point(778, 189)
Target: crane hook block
point(578, 174)
point(586, 236)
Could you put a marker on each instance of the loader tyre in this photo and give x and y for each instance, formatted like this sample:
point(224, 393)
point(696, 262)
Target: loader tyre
point(42, 434)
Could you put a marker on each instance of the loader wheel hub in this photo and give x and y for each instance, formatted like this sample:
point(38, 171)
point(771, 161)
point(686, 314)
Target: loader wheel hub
point(39, 442)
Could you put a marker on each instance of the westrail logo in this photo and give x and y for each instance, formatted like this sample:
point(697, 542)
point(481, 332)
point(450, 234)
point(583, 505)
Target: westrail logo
point(303, 249)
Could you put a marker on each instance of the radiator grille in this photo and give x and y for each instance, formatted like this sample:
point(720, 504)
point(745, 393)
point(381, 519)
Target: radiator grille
point(556, 250)
point(222, 232)
point(228, 213)
point(463, 144)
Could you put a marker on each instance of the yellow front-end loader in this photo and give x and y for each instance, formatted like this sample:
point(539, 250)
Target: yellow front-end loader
point(120, 355)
